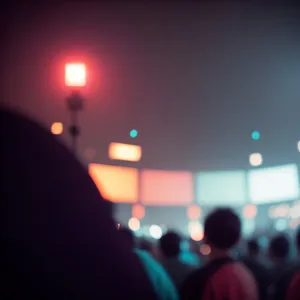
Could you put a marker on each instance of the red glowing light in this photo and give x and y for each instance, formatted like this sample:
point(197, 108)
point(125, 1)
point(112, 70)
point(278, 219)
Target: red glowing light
point(75, 74)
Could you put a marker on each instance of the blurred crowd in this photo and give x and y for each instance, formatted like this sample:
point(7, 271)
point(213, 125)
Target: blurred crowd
point(59, 239)
point(217, 267)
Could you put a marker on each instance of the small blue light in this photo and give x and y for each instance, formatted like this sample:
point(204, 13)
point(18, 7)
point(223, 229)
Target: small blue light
point(133, 133)
point(255, 135)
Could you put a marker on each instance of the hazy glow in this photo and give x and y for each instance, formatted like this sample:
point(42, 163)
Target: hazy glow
point(155, 231)
point(166, 187)
point(295, 211)
point(281, 225)
point(196, 230)
point(134, 224)
point(75, 74)
point(248, 226)
point(273, 184)
point(194, 212)
point(294, 223)
point(138, 211)
point(117, 184)
point(255, 159)
point(197, 236)
point(57, 128)
point(221, 188)
point(205, 249)
point(298, 146)
point(89, 153)
point(282, 210)
point(249, 211)
point(125, 152)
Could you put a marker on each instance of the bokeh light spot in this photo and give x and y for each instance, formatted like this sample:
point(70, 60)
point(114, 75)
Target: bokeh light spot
point(255, 135)
point(57, 128)
point(133, 133)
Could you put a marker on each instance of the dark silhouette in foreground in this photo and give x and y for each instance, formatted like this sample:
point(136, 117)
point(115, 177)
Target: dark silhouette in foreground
point(58, 238)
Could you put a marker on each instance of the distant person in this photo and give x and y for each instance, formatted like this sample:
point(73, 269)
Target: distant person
point(169, 245)
point(58, 238)
point(161, 282)
point(259, 271)
point(293, 291)
point(279, 253)
point(190, 254)
point(223, 277)
point(283, 269)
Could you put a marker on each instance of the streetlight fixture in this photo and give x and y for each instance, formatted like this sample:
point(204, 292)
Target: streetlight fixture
point(75, 79)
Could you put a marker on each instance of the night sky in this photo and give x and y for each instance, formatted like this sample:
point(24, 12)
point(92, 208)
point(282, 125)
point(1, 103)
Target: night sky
point(194, 79)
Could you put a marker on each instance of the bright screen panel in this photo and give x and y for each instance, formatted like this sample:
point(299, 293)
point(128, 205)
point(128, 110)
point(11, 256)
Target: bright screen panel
point(273, 184)
point(221, 188)
point(117, 184)
point(125, 152)
point(166, 187)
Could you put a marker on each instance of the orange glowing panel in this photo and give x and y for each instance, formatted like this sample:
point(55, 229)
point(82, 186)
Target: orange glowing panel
point(117, 184)
point(125, 152)
point(75, 74)
point(166, 187)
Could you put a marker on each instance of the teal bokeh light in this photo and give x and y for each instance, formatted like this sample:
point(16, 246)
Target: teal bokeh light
point(133, 133)
point(255, 135)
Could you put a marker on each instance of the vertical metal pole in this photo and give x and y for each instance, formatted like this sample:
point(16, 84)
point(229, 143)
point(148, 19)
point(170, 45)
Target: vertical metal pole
point(75, 104)
point(74, 131)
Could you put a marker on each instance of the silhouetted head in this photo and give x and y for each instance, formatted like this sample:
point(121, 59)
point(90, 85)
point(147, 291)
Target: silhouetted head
point(279, 248)
point(253, 247)
point(222, 229)
point(169, 244)
point(58, 237)
point(127, 236)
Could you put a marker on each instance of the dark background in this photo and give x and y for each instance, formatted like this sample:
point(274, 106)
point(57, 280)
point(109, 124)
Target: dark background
point(194, 79)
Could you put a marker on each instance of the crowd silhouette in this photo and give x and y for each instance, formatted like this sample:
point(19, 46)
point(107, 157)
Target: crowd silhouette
point(59, 239)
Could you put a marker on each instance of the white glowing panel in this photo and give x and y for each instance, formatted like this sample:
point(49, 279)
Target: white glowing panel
point(273, 184)
point(221, 188)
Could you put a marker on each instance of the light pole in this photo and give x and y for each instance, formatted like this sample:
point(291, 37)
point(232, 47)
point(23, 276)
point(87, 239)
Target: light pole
point(75, 78)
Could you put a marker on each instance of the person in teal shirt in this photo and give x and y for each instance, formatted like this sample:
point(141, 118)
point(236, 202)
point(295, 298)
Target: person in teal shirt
point(159, 278)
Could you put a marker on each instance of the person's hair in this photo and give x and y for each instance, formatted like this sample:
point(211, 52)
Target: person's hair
point(222, 228)
point(127, 236)
point(169, 244)
point(298, 238)
point(279, 246)
point(253, 246)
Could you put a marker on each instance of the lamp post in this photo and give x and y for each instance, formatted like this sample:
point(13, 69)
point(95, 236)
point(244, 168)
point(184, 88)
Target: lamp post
point(75, 78)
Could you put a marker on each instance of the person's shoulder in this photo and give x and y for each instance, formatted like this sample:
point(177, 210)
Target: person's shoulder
point(293, 291)
point(194, 285)
point(142, 253)
point(159, 277)
point(152, 264)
